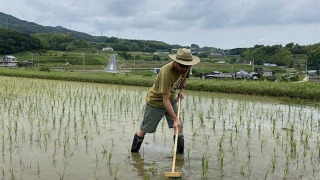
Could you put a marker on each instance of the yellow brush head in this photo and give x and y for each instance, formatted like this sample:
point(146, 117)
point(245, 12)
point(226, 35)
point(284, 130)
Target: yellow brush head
point(172, 174)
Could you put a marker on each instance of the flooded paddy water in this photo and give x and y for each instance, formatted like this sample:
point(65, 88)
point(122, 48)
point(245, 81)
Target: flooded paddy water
point(70, 130)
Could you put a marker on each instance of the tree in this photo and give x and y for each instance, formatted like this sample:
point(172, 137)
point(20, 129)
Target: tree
point(13, 41)
point(70, 47)
point(80, 43)
point(203, 55)
point(282, 57)
point(156, 57)
point(297, 49)
point(194, 46)
point(313, 58)
point(125, 55)
point(258, 70)
point(233, 60)
point(237, 51)
point(289, 46)
point(269, 54)
point(43, 42)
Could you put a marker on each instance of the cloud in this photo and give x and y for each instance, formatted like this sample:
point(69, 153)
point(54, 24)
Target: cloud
point(189, 21)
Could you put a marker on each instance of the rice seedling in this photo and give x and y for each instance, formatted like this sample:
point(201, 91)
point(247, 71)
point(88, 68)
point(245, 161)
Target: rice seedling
point(12, 174)
point(188, 154)
point(192, 118)
point(214, 124)
point(201, 117)
point(117, 168)
point(266, 175)
point(2, 172)
point(205, 163)
point(263, 142)
point(274, 160)
point(207, 137)
point(242, 169)
point(62, 172)
point(78, 121)
point(38, 169)
point(221, 163)
point(153, 168)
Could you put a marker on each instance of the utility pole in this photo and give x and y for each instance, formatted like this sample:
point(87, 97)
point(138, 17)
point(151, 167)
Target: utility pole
point(83, 59)
point(37, 54)
point(253, 65)
point(134, 63)
point(306, 67)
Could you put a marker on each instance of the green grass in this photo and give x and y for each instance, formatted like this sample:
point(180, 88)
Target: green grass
point(310, 91)
point(59, 58)
point(93, 63)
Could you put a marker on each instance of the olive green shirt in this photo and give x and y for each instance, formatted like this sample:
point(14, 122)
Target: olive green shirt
point(167, 81)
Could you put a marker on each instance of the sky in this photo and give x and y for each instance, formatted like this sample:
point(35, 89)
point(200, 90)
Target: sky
point(223, 24)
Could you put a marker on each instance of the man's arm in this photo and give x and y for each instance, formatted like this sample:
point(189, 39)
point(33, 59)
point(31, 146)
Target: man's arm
point(182, 88)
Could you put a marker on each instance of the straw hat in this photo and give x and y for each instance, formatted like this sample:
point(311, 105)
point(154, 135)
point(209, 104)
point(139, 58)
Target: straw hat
point(185, 57)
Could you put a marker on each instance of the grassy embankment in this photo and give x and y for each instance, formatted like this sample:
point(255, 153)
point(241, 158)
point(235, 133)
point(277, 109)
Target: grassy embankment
point(140, 74)
point(308, 90)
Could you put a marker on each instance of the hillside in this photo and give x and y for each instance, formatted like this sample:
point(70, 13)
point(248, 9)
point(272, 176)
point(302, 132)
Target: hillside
point(13, 23)
point(58, 38)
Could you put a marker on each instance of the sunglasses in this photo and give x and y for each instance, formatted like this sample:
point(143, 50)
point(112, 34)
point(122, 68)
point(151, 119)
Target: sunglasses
point(183, 66)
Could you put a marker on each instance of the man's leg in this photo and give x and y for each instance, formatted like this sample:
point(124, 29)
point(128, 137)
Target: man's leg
point(151, 119)
point(137, 141)
point(180, 144)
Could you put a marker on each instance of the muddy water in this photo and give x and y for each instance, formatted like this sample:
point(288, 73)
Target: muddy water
point(69, 130)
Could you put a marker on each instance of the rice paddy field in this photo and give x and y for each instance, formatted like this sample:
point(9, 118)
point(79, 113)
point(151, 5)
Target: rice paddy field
point(69, 130)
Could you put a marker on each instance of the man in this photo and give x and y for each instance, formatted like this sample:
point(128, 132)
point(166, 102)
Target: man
point(161, 99)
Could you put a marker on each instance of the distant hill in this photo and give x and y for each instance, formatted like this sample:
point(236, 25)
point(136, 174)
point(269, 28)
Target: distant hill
point(13, 23)
point(50, 37)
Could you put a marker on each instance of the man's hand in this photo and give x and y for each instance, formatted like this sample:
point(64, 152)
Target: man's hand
point(181, 94)
point(169, 108)
point(176, 123)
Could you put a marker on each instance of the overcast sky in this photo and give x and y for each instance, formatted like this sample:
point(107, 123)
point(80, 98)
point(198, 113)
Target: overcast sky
point(214, 23)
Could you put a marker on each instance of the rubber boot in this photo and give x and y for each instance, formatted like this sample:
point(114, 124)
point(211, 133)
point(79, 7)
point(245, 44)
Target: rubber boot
point(180, 145)
point(136, 143)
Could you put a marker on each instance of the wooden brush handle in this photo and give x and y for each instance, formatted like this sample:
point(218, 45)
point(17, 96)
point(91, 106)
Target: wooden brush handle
point(176, 140)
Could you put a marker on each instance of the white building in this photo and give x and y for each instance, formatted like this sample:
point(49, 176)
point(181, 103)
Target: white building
point(9, 61)
point(267, 73)
point(107, 49)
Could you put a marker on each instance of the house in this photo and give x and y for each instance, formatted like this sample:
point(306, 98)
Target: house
point(27, 63)
point(270, 64)
point(217, 74)
point(107, 49)
point(155, 70)
point(267, 73)
point(247, 62)
point(9, 61)
point(220, 53)
point(156, 53)
point(312, 72)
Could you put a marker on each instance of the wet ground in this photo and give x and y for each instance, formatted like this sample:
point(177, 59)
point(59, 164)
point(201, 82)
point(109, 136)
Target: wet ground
point(70, 130)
